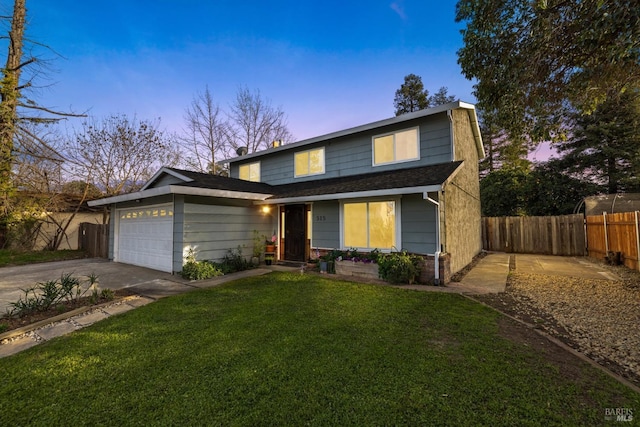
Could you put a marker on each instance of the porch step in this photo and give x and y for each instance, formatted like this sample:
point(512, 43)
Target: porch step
point(295, 264)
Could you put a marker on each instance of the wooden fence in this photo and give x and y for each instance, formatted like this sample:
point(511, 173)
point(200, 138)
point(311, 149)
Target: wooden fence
point(94, 238)
point(551, 235)
point(614, 233)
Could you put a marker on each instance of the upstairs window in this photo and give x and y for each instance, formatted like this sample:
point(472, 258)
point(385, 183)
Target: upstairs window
point(309, 162)
point(396, 147)
point(250, 172)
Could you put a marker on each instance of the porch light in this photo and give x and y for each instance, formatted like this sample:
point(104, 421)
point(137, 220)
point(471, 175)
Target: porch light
point(266, 209)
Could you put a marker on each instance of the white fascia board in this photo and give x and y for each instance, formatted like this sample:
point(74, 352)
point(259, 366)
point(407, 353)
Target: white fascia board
point(177, 189)
point(167, 171)
point(142, 194)
point(353, 195)
point(227, 194)
point(363, 128)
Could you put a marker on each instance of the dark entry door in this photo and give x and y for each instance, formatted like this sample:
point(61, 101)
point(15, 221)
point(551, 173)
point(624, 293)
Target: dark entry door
point(295, 232)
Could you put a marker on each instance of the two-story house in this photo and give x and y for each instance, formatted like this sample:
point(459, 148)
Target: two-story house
point(405, 183)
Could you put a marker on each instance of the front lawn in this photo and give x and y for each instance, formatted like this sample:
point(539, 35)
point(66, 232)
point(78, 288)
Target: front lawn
point(287, 349)
point(11, 257)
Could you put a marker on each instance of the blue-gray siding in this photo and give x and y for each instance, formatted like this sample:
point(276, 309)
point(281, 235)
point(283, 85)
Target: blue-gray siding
point(214, 229)
point(352, 155)
point(418, 224)
point(325, 225)
point(417, 219)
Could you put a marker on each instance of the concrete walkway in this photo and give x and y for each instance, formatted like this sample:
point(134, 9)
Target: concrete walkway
point(489, 276)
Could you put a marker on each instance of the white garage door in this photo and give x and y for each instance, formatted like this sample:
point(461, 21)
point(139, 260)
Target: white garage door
point(145, 237)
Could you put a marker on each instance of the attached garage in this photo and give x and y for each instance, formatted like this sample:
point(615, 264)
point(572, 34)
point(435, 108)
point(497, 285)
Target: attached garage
point(145, 237)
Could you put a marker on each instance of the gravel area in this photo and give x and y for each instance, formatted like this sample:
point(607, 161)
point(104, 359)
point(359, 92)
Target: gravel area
point(599, 318)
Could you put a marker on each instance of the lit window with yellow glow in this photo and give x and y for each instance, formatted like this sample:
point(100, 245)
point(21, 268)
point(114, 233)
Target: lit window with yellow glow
point(370, 225)
point(309, 162)
point(250, 172)
point(396, 147)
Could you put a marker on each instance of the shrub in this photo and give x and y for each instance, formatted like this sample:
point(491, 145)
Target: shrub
point(45, 295)
point(399, 267)
point(234, 261)
point(198, 270)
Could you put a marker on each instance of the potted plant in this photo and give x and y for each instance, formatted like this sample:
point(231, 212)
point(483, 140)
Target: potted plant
point(270, 244)
point(268, 259)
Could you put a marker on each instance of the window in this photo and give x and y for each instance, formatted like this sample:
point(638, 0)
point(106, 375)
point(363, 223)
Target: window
point(309, 162)
point(396, 147)
point(250, 172)
point(369, 225)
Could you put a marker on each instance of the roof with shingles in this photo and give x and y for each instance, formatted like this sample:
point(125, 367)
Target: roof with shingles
point(206, 180)
point(399, 178)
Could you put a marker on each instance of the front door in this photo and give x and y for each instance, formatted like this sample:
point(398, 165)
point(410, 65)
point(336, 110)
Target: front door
point(295, 232)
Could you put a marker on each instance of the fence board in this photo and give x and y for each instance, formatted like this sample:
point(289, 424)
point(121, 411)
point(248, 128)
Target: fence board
point(94, 238)
point(551, 235)
point(614, 233)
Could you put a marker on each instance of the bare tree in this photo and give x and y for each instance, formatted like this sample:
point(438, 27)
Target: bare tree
point(118, 153)
point(16, 111)
point(207, 138)
point(255, 123)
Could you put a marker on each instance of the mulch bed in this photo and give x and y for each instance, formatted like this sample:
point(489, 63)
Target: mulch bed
point(15, 322)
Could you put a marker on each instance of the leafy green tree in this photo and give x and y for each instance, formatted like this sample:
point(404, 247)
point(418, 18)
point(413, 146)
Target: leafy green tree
point(503, 192)
point(532, 59)
point(412, 96)
point(605, 145)
point(541, 190)
point(551, 191)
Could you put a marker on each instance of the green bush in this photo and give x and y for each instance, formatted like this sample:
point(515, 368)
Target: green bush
point(198, 270)
point(234, 261)
point(399, 267)
point(45, 295)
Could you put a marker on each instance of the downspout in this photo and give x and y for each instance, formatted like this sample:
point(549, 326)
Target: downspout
point(450, 116)
point(436, 255)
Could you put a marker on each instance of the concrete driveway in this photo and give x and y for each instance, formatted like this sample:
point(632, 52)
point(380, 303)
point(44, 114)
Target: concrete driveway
point(111, 275)
point(580, 267)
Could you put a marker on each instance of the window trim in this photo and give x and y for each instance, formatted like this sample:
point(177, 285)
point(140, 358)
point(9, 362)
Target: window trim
point(249, 166)
point(394, 133)
point(324, 163)
point(398, 221)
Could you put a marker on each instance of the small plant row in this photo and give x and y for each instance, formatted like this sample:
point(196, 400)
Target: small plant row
point(232, 262)
point(44, 295)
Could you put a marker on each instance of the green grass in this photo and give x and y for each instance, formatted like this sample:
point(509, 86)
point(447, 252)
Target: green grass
point(10, 257)
point(287, 349)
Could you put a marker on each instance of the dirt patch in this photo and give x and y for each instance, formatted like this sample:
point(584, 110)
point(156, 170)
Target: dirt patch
point(15, 322)
point(599, 318)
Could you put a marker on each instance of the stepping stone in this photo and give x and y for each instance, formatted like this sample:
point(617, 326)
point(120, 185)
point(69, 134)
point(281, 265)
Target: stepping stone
point(117, 309)
point(17, 346)
point(139, 302)
point(91, 318)
point(56, 330)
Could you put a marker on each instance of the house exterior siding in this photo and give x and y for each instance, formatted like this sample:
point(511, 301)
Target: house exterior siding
point(325, 225)
point(212, 227)
point(418, 224)
point(461, 219)
point(353, 154)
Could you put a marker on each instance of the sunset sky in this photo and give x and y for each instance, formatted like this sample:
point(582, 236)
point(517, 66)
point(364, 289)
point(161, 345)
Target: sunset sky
point(329, 65)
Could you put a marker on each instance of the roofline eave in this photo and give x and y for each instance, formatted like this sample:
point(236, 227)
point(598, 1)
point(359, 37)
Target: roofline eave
point(351, 195)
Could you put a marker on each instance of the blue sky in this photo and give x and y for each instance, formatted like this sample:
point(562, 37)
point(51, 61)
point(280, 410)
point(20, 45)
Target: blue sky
point(329, 65)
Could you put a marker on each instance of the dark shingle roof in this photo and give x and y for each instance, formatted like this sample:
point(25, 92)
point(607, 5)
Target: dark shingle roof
point(205, 180)
point(398, 178)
